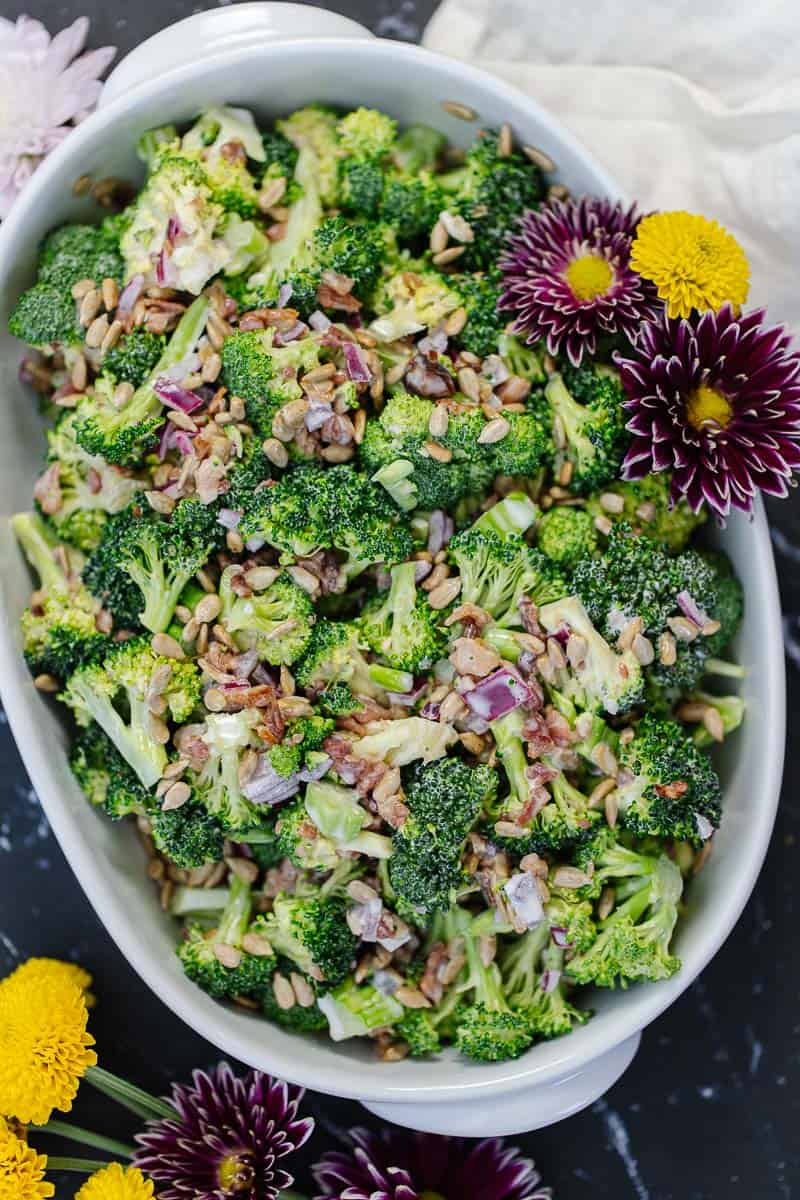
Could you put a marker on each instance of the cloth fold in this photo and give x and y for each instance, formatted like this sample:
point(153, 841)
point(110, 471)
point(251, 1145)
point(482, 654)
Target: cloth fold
point(689, 104)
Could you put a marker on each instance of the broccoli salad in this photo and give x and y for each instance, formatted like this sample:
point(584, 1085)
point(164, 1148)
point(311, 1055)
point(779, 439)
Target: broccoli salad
point(409, 693)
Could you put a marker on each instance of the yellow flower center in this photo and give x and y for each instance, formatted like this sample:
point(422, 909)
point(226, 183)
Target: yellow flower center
point(589, 276)
point(235, 1174)
point(706, 407)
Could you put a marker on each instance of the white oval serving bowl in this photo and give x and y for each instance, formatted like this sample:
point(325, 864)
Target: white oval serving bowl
point(273, 58)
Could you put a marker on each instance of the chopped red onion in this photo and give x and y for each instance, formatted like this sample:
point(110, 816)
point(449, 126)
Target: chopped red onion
point(188, 365)
point(430, 711)
point(183, 441)
point(284, 294)
point(562, 634)
point(386, 982)
point(704, 827)
point(166, 441)
point(526, 662)
point(422, 570)
point(498, 694)
point(396, 940)
point(436, 529)
point(255, 543)
point(691, 609)
point(312, 774)
point(550, 980)
point(473, 724)
point(262, 675)
point(129, 295)
point(317, 414)
point(435, 342)
point(266, 786)
point(244, 664)
point(319, 321)
point(356, 363)
point(495, 370)
point(165, 269)
point(408, 699)
point(523, 897)
point(175, 396)
point(284, 336)
point(365, 918)
point(229, 518)
point(173, 229)
point(559, 935)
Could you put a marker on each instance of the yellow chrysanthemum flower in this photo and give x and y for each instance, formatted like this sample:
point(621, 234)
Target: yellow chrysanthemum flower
point(693, 262)
point(21, 1169)
point(45, 969)
point(116, 1183)
point(44, 1046)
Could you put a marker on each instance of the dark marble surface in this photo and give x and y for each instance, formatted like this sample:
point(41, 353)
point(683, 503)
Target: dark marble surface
point(710, 1108)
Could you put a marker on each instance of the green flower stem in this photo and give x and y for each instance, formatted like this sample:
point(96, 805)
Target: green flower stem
point(133, 1098)
point(85, 1137)
point(84, 1165)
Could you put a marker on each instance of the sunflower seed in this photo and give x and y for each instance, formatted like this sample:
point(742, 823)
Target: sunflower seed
point(494, 431)
point(166, 645)
point(229, 956)
point(505, 141)
point(97, 332)
point(447, 256)
point(462, 111)
point(539, 158)
point(438, 238)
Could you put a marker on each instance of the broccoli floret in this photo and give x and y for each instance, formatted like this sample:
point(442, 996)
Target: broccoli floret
point(635, 577)
point(46, 315)
point(595, 676)
point(180, 234)
point(728, 606)
point(121, 435)
point(355, 250)
point(312, 933)
point(277, 622)
point(566, 535)
point(266, 376)
point(491, 191)
point(573, 916)
point(88, 488)
point(200, 953)
point(367, 133)
point(445, 800)
point(673, 791)
point(394, 453)
point(411, 204)
point(535, 986)
point(105, 777)
point(361, 186)
point(246, 473)
point(648, 509)
point(497, 568)
point(327, 823)
point(633, 942)
point(401, 626)
point(135, 356)
point(300, 1018)
point(227, 737)
point(488, 1029)
point(314, 508)
point(731, 710)
point(314, 128)
point(418, 148)
point(280, 156)
point(480, 295)
point(301, 744)
point(96, 692)
point(224, 138)
point(59, 631)
point(589, 433)
point(334, 657)
point(521, 359)
point(403, 741)
point(189, 836)
point(157, 555)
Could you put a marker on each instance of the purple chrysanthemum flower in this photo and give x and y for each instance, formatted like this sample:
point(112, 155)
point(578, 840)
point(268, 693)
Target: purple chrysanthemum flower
point(225, 1139)
point(395, 1165)
point(716, 400)
point(568, 279)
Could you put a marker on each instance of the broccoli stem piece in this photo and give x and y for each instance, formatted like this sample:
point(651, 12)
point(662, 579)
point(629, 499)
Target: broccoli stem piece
point(39, 544)
point(514, 514)
point(507, 732)
point(503, 641)
point(198, 901)
point(187, 334)
point(236, 914)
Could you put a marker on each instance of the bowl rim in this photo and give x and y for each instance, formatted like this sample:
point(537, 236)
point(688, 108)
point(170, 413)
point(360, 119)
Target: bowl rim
point(355, 1079)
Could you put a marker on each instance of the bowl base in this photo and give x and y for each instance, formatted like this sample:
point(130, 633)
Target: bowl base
point(521, 1111)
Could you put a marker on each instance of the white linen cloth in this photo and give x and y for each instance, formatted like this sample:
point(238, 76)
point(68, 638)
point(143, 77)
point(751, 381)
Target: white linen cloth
point(691, 104)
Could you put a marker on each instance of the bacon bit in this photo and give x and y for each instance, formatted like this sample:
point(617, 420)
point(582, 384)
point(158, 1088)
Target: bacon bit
point(328, 297)
point(558, 727)
point(672, 791)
